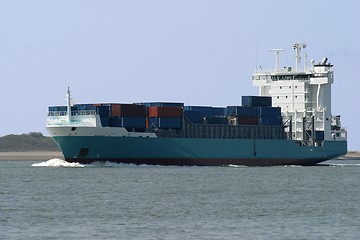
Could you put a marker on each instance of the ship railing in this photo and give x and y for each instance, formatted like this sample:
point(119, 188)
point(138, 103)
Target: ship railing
point(271, 77)
point(269, 72)
point(73, 113)
point(77, 120)
point(260, 70)
point(83, 112)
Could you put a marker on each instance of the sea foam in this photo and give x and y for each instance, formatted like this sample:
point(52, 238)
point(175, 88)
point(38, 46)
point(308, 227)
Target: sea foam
point(344, 165)
point(56, 162)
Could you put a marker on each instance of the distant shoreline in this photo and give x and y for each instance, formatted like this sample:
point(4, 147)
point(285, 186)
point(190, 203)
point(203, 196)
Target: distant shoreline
point(351, 155)
point(33, 155)
point(46, 155)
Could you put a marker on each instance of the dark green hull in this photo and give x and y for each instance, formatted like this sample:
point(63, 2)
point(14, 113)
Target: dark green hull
point(199, 151)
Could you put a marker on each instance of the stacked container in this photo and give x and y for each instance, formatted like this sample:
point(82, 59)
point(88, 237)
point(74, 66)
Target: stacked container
point(270, 116)
point(243, 115)
point(204, 110)
point(128, 115)
point(219, 111)
point(193, 116)
point(196, 114)
point(104, 113)
point(242, 111)
point(256, 101)
point(161, 104)
point(255, 110)
point(165, 117)
point(216, 120)
point(169, 115)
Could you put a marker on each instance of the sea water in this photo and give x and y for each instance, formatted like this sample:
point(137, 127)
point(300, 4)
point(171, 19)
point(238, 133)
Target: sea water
point(59, 200)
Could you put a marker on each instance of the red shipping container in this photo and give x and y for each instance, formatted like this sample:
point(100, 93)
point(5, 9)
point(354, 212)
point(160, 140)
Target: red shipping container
point(115, 110)
point(128, 110)
point(155, 111)
point(247, 120)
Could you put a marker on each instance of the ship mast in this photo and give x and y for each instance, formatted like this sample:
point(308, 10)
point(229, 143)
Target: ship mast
point(276, 50)
point(68, 98)
point(298, 47)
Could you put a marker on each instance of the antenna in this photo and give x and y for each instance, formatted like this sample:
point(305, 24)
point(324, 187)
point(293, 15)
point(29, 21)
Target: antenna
point(276, 50)
point(256, 60)
point(298, 47)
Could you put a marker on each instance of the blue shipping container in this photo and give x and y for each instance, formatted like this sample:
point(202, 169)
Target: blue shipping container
point(242, 111)
point(193, 116)
point(270, 111)
point(216, 120)
point(105, 121)
point(103, 110)
point(205, 111)
point(115, 122)
point(319, 135)
point(219, 111)
point(134, 122)
point(256, 101)
point(163, 122)
point(271, 121)
point(129, 122)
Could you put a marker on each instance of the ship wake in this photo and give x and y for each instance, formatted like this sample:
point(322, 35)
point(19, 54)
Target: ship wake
point(344, 165)
point(56, 162)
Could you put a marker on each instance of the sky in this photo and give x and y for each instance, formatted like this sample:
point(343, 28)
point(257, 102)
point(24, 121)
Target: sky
point(200, 52)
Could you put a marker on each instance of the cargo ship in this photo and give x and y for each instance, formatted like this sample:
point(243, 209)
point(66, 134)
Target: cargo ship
point(288, 123)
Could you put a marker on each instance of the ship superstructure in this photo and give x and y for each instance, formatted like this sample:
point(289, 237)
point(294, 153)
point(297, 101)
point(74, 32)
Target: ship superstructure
point(304, 95)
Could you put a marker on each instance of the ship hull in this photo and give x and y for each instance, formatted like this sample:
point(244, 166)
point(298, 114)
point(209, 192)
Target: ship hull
point(195, 152)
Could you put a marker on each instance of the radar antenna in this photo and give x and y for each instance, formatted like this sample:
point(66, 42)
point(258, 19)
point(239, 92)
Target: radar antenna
point(276, 50)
